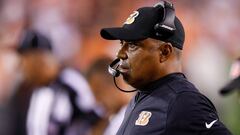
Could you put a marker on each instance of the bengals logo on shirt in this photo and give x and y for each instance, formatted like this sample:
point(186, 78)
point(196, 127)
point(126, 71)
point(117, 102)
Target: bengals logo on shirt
point(143, 118)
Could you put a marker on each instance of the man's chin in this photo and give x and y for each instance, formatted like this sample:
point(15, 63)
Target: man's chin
point(129, 80)
point(126, 78)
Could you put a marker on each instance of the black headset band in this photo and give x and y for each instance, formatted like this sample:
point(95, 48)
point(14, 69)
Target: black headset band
point(165, 27)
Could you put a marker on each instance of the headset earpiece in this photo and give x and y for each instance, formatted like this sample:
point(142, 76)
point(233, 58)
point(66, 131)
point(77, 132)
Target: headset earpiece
point(166, 26)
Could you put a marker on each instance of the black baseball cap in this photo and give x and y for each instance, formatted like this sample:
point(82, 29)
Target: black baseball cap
point(140, 25)
point(34, 40)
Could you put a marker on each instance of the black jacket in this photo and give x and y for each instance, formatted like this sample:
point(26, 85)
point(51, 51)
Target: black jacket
point(171, 106)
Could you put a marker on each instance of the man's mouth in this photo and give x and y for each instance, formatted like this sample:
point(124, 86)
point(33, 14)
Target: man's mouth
point(123, 68)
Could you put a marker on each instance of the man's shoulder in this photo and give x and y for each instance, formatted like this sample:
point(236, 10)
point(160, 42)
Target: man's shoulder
point(182, 85)
point(193, 111)
point(185, 92)
point(191, 100)
point(175, 89)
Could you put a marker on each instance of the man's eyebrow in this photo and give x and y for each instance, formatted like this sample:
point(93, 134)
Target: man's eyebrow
point(134, 42)
point(130, 42)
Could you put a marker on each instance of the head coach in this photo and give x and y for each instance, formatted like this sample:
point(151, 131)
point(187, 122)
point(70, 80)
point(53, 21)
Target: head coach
point(149, 59)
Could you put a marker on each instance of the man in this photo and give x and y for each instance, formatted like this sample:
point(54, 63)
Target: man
point(150, 60)
point(67, 105)
point(24, 70)
point(39, 68)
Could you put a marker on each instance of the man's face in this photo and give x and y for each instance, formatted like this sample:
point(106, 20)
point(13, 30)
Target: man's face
point(139, 61)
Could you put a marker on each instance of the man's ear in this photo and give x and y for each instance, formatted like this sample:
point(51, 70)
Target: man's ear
point(165, 50)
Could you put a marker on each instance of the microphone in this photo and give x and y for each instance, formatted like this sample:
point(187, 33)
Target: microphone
point(113, 70)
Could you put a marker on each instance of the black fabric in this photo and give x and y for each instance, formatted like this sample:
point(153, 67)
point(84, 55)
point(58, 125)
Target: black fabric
point(143, 27)
point(189, 114)
point(78, 116)
point(91, 116)
point(176, 107)
point(34, 40)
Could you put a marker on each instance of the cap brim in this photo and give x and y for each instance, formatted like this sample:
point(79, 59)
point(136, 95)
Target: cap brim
point(232, 85)
point(120, 33)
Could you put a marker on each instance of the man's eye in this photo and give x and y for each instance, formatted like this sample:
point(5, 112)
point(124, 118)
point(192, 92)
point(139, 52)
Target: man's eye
point(121, 43)
point(132, 46)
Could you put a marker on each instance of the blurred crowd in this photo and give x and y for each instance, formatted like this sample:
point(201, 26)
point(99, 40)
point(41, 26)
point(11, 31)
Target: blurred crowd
point(53, 73)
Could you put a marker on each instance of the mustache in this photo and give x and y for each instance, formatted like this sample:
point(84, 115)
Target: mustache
point(124, 64)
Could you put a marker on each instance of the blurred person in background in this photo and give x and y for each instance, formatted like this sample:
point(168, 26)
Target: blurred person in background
point(65, 107)
point(30, 69)
point(22, 70)
point(41, 69)
point(108, 96)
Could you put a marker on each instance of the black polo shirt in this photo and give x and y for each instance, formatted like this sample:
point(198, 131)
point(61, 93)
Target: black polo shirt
point(171, 106)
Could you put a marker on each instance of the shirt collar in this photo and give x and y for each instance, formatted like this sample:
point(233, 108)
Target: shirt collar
point(163, 80)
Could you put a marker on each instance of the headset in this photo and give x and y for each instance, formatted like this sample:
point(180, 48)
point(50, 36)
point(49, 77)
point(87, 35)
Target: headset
point(166, 26)
point(163, 29)
point(112, 68)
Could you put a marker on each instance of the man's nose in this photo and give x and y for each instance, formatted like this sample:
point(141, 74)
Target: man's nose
point(121, 54)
